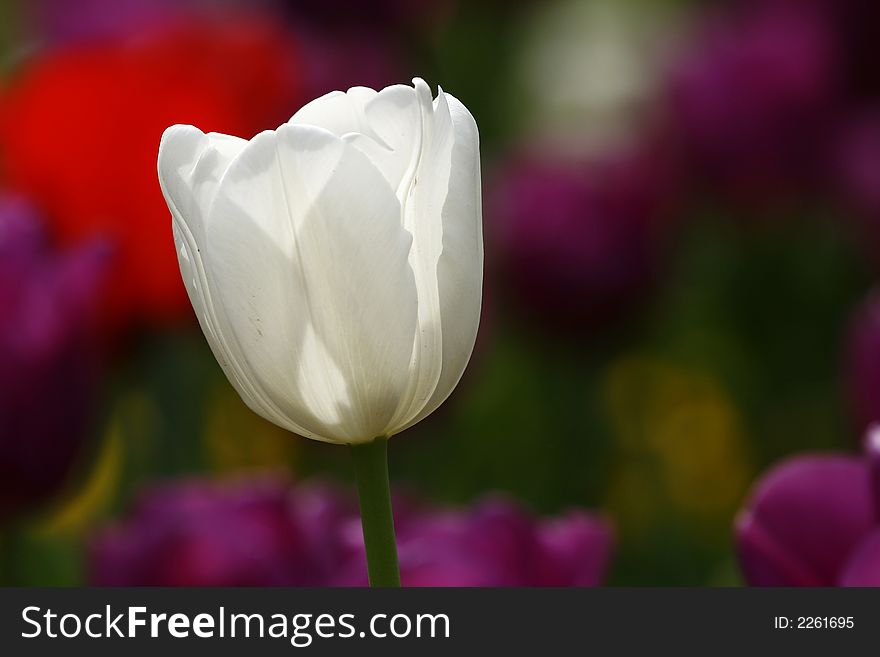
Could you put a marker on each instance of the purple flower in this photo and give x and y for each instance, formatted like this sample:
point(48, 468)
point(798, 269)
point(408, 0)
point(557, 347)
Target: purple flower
point(751, 97)
point(196, 534)
point(69, 20)
point(580, 243)
point(48, 364)
point(497, 544)
point(814, 521)
point(863, 567)
point(266, 533)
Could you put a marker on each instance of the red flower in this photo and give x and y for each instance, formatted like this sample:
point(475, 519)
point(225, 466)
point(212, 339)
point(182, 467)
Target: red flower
point(80, 130)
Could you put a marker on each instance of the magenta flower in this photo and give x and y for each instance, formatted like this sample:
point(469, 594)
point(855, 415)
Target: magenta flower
point(751, 97)
point(195, 534)
point(814, 521)
point(497, 544)
point(266, 533)
point(48, 362)
point(580, 244)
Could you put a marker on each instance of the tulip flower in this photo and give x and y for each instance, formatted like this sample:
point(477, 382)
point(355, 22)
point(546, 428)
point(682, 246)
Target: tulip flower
point(752, 96)
point(335, 266)
point(265, 532)
point(239, 73)
point(49, 369)
point(814, 520)
point(582, 243)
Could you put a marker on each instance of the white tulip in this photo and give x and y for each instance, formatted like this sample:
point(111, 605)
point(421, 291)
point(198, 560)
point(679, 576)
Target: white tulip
point(335, 264)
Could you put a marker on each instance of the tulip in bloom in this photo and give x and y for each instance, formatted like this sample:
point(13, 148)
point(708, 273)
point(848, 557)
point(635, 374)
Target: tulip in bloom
point(752, 97)
point(93, 172)
point(815, 521)
point(335, 264)
point(582, 243)
point(497, 543)
point(49, 367)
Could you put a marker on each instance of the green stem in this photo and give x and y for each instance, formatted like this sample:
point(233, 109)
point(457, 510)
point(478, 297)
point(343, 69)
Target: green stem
point(371, 471)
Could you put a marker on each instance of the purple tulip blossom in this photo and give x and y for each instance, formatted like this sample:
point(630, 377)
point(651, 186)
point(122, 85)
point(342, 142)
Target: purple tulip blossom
point(579, 244)
point(267, 533)
point(752, 97)
point(497, 544)
point(815, 521)
point(48, 360)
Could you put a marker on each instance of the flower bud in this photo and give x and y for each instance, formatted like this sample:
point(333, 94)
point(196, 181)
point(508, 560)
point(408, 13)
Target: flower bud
point(335, 264)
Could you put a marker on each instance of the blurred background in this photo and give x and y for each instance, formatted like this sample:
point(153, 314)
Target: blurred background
point(682, 229)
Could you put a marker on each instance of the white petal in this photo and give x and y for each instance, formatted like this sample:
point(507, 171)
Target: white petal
point(385, 125)
point(337, 111)
point(422, 192)
point(459, 269)
point(395, 137)
point(310, 262)
point(190, 165)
